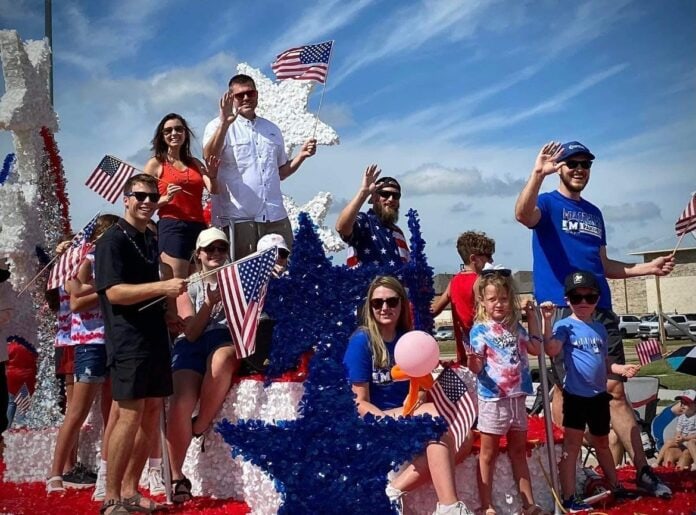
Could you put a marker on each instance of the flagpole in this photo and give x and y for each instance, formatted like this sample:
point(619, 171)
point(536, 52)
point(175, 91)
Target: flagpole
point(38, 274)
point(326, 79)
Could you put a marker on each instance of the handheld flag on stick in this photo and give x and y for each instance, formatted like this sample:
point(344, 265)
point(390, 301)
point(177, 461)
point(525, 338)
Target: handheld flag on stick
point(69, 261)
point(648, 351)
point(309, 62)
point(243, 293)
point(456, 402)
point(23, 399)
point(109, 177)
point(686, 222)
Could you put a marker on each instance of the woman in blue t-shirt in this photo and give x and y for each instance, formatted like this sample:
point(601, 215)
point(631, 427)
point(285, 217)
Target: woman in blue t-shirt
point(369, 358)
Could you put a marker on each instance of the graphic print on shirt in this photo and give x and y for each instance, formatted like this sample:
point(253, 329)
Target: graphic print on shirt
point(580, 222)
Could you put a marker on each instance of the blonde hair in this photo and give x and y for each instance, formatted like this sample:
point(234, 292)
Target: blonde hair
point(501, 284)
point(380, 356)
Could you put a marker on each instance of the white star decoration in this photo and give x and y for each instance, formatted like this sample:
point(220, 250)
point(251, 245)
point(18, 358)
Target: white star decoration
point(317, 208)
point(285, 104)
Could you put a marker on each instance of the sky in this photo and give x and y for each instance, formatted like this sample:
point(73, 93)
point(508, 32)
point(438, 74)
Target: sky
point(453, 98)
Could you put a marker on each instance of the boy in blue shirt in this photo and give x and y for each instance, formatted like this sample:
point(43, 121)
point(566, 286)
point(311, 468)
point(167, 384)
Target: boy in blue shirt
point(585, 398)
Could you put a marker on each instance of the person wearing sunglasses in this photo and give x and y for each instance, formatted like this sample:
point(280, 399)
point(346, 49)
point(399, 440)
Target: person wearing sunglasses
point(373, 236)
point(569, 233)
point(137, 344)
point(252, 164)
point(203, 359)
point(583, 341)
point(369, 358)
point(181, 181)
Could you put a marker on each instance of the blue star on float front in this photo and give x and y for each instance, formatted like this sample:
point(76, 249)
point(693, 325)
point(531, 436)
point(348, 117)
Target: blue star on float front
point(329, 459)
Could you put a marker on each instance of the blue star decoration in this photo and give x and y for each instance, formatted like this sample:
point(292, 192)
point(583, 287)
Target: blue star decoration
point(330, 460)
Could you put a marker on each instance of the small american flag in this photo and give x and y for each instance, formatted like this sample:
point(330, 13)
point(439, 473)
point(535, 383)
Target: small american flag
point(109, 178)
point(648, 351)
point(309, 62)
point(69, 261)
point(23, 399)
point(687, 220)
point(243, 292)
point(456, 402)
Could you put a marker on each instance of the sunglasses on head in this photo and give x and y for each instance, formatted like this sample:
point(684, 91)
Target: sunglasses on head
point(577, 298)
point(176, 128)
point(502, 272)
point(389, 194)
point(252, 93)
point(216, 248)
point(140, 196)
point(391, 302)
point(573, 164)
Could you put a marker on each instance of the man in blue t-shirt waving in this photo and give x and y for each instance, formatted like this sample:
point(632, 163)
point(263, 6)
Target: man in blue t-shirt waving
point(569, 234)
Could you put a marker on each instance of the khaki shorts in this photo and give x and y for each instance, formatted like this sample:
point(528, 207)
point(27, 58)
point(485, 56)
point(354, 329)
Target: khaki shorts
point(247, 233)
point(499, 417)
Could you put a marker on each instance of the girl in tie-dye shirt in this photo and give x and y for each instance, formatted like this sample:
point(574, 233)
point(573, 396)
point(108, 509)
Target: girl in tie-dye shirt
point(498, 354)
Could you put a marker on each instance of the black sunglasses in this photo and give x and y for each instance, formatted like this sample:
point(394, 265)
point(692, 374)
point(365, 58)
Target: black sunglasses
point(176, 128)
point(577, 298)
point(391, 302)
point(223, 249)
point(387, 194)
point(140, 196)
point(502, 272)
point(573, 164)
point(252, 93)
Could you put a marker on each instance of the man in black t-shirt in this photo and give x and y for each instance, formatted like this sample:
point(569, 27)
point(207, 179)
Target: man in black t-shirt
point(137, 345)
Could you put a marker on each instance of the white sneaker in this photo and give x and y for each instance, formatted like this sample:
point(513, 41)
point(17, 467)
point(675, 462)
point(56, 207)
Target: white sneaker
point(154, 481)
point(456, 509)
point(100, 486)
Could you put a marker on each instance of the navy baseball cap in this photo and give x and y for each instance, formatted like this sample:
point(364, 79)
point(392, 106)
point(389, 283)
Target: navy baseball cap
point(580, 279)
point(387, 182)
point(573, 148)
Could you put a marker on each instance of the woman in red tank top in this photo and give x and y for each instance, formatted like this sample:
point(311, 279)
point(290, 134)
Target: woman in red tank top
point(182, 179)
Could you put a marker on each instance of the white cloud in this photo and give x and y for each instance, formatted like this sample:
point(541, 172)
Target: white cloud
point(461, 207)
point(437, 179)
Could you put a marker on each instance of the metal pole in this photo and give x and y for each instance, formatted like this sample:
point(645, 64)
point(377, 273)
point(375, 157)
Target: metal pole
point(660, 315)
point(48, 33)
point(626, 296)
point(548, 423)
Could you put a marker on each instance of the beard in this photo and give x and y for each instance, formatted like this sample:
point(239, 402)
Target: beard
point(572, 187)
point(387, 215)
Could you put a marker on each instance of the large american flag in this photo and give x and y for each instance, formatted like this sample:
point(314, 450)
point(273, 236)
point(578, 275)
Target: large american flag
point(456, 402)
point(687, 220)
point(309, 62)
point(23, 399)
point(648, 351)
point(243, 291)
point(109, 177)
point(69, 261)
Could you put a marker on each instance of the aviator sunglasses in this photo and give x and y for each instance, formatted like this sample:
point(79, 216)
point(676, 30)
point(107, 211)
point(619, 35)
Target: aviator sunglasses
point(391, 302)
point(140, 196)
point(252, 93)
point(573, 164)
point(222, 249)
point(577, 298)
point(176, 128)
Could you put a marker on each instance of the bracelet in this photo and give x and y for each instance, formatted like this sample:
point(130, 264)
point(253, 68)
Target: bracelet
point(537, 338)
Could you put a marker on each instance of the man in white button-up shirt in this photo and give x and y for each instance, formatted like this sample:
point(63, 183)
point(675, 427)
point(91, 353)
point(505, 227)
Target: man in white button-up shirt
point(252, 164)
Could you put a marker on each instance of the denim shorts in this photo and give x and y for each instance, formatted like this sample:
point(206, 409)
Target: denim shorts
point(90, 363)
point(499, 417)
point(188, 355)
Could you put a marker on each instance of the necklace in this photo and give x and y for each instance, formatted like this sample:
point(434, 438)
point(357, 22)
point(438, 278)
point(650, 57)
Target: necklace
point(148, 248)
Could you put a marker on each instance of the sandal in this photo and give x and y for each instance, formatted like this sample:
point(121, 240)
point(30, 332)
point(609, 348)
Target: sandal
point(132, 504)
point(181, 491)
point(117, 507)
point(50, 489)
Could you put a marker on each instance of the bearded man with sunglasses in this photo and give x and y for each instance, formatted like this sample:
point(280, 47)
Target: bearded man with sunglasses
point(569, 234)
point(252, 164)
point(373, 236)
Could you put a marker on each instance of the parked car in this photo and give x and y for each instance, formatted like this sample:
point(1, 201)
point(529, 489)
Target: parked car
point(446, 332)
point(692, 329)
point(651, 328)
point(628, 325)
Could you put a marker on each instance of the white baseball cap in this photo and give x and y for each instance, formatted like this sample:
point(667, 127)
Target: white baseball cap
point(271, 240)
point(208, 236)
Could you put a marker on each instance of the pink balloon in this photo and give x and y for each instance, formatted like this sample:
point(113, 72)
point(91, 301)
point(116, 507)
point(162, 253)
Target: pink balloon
point(417, 353)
